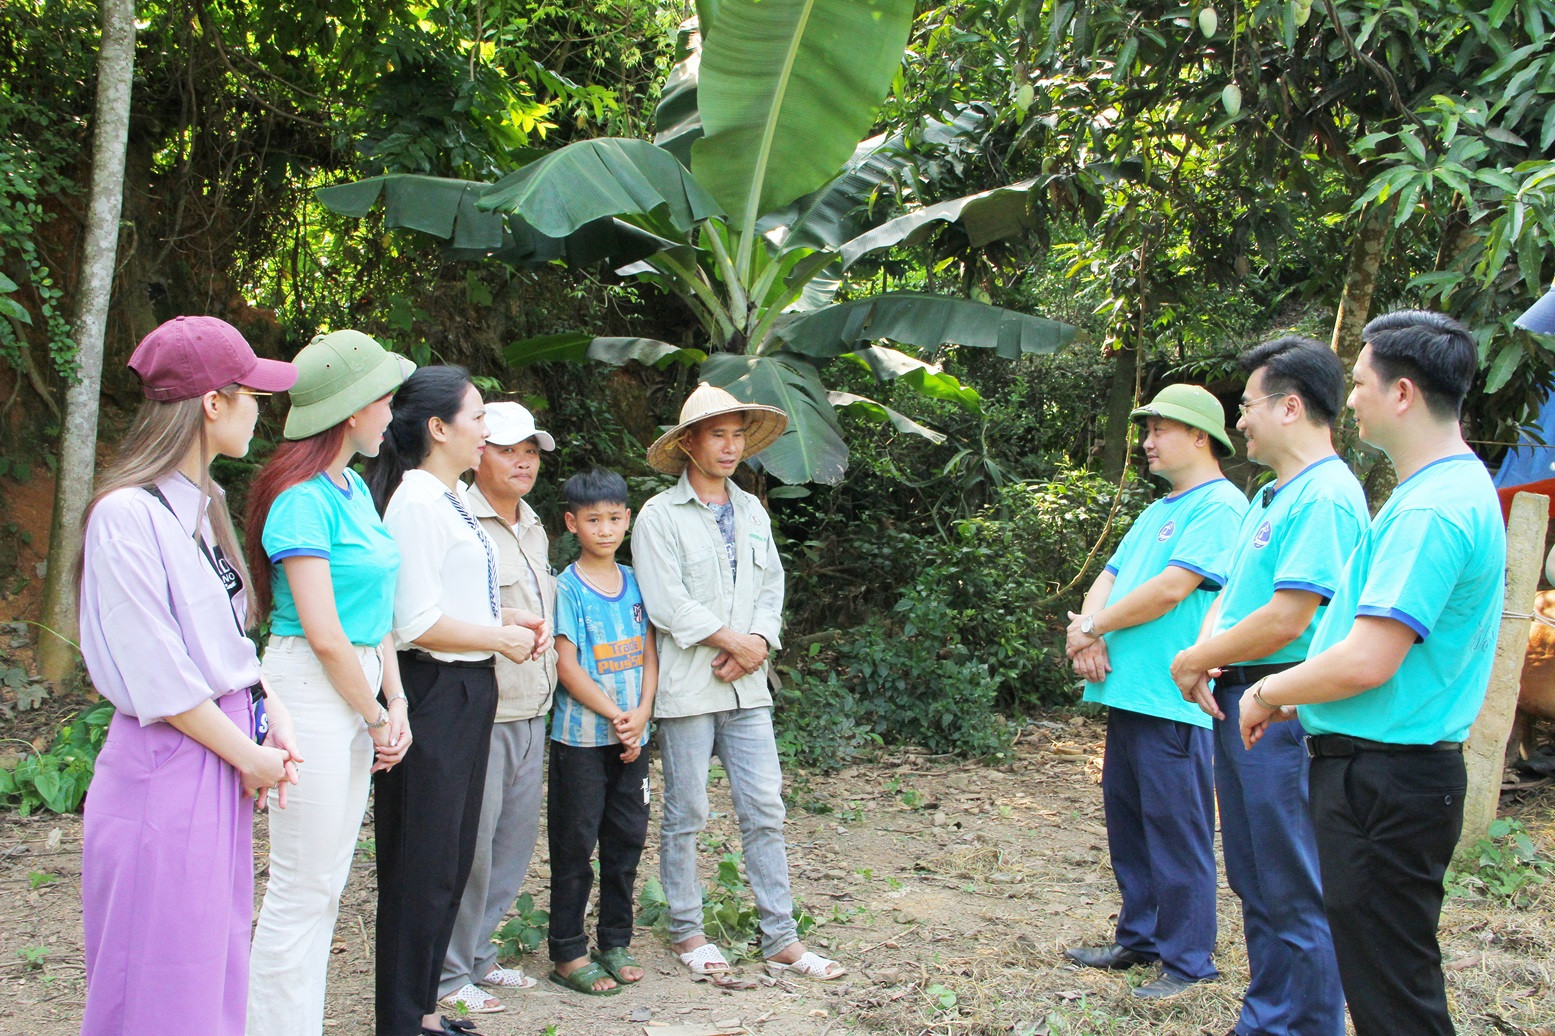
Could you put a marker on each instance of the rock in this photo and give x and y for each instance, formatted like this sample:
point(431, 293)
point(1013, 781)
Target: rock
point(641, 1014)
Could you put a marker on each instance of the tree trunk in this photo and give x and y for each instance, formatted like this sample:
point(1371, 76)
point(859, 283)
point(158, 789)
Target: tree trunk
point(1485, 752)
point(1120, 401)
point(1359, 284)
point(99, 254)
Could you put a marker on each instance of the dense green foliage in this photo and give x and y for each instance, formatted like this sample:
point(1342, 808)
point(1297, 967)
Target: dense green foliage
point(972, 635)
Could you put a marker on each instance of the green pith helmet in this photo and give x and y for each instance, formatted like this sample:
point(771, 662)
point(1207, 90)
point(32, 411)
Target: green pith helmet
point(340, 373)
point(1194, 406)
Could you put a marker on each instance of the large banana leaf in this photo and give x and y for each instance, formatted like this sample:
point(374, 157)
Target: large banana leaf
point(876, 411)
point(610, 241)
point(811, 449)
point(446, 208)
point(834, 214)
point(787, 89)
point(840, 211)
point(925, 321)
point(574, 347)
point(677, 123)
point(596, 179)
point(435, 205)
point(925, 379)
point(987, 216)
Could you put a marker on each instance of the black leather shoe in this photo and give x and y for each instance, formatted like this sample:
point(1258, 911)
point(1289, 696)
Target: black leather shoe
point(1168, 985)
point(452, 1027)
point(1109, 958)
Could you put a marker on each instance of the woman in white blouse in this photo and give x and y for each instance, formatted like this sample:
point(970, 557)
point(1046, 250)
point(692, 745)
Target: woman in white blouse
point(450, 625)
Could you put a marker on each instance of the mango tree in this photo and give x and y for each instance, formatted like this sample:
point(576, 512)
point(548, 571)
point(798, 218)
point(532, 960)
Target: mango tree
point(752, 213)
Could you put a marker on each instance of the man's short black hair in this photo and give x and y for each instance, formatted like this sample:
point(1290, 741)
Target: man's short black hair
point(1303, 367)
point(1433, 351)
point(594, 486)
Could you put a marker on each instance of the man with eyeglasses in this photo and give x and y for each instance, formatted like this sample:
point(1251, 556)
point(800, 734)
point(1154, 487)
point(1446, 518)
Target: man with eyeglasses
point(1290, 552)
point(1395, 676)
point(1157, 785)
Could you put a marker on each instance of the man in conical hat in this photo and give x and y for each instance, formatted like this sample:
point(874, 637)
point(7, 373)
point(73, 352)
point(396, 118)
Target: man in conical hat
point(712, 581)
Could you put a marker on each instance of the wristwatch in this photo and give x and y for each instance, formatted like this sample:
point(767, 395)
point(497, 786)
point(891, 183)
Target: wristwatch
point(1088, 624)
point(383, 719)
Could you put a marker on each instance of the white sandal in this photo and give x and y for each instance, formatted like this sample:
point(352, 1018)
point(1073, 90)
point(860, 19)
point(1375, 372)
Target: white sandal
point(509, 978)
point(705, 960)
point(469, 999)
point(809, 965)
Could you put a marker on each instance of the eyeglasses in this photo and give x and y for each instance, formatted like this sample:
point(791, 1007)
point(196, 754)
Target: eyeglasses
point(253, 392)
point(1243, 408)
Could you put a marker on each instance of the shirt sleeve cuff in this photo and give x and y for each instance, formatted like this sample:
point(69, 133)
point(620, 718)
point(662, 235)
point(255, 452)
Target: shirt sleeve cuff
point(1211, 580)
point(298, 552)
point(1324, 592)
point(1373, 612)
point(692, 624)
point(407, 632)
point(769, 633)
point(1111, 568)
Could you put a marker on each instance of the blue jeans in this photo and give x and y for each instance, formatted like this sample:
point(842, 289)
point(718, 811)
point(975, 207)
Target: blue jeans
point(743, 741)
point(1271, 864)
point(1158, 792)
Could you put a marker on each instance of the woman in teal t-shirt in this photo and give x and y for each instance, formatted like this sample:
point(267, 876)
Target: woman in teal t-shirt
point(320, 554)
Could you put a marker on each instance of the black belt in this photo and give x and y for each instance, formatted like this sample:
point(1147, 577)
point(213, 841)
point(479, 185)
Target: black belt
point(1335, 746)
point(460, 663)
point(1242, 675)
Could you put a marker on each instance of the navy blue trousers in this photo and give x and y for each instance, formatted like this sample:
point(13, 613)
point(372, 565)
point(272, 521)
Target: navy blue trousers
point(1271, 862)
point(1158, 790)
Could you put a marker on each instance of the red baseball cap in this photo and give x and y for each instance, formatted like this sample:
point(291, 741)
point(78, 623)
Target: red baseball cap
point(190, 356)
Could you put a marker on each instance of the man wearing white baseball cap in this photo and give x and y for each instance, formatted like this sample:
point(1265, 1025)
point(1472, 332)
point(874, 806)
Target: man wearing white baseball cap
point(510, 810)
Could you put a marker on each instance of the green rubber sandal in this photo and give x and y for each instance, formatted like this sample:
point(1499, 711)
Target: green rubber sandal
point(582, 980)
point(615, 959)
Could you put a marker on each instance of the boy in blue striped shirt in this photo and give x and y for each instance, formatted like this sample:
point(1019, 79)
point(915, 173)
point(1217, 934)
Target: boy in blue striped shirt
point(609, 670)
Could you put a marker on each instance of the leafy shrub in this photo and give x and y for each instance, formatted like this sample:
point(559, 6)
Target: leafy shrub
point(729, 916)
point(919, 683)
point(1505, 865)
point(57, 779)
point(978, 628)
point(821, 723)
point(524, 932)
point(1009, 571)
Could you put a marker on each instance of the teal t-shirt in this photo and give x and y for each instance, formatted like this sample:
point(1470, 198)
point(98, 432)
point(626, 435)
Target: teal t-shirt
point(1294, 537)
point(318, 519)
point(1195, 530)
point(1434, 559)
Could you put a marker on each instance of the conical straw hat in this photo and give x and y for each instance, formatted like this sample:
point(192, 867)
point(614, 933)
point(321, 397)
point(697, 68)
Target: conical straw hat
point(762, 428)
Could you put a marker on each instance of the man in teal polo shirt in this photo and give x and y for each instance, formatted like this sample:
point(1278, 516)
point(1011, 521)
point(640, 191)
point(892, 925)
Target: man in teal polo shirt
point(1157, 787)
point(1396, 674)
point(1290, 552)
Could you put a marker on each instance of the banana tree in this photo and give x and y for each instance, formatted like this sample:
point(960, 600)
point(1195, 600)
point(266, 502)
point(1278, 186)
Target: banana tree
point(752, 215)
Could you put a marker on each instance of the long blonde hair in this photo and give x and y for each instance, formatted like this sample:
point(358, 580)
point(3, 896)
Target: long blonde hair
point(159, 439)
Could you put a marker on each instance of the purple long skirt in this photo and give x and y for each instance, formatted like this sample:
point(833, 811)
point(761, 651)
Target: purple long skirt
point(167, 884)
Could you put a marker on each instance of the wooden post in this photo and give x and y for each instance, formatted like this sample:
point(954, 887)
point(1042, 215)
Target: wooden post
point(1485, 752)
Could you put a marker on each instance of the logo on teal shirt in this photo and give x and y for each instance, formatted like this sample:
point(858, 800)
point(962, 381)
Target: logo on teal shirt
point(1263, 535)
point(1166, 532)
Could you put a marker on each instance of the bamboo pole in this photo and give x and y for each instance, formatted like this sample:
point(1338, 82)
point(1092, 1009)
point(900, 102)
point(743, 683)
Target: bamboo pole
point(1484, 754)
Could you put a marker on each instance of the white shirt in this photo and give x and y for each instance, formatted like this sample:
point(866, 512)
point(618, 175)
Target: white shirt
point(447, 563)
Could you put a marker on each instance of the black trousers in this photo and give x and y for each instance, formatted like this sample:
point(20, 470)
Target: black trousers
point(594, 798)
point(427, 811)
point(1386, 827)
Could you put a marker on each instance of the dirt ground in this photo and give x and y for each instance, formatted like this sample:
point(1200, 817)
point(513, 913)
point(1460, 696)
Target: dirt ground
point(948, 890)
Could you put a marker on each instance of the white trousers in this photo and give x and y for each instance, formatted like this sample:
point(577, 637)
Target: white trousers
point(312, 841)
